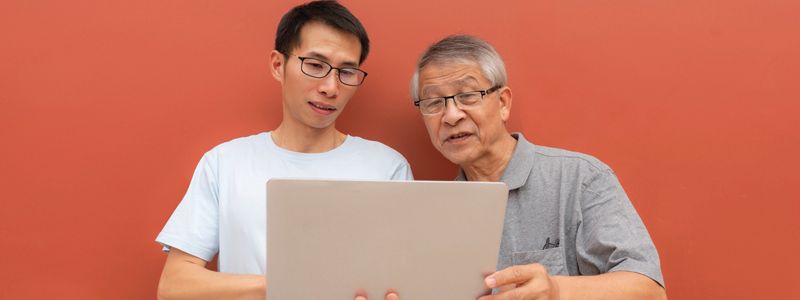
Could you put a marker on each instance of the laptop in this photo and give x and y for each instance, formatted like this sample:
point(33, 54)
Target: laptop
point(326, 239)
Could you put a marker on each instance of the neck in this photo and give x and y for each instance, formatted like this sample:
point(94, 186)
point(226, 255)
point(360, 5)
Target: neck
point(492, 165)
point(307, 140)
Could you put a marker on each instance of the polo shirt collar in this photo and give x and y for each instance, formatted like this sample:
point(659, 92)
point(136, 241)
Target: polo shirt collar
point(518, 168)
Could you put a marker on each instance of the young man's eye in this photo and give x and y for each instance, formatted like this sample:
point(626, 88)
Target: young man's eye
point(314, 65)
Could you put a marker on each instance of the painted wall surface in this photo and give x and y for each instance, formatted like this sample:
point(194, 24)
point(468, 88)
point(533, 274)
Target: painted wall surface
point(106, 107)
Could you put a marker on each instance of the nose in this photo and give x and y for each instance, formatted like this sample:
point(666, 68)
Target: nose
point(452, 114)
point(329, 85)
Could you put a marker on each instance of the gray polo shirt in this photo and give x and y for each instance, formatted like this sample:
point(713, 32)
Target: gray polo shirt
point(568, 212)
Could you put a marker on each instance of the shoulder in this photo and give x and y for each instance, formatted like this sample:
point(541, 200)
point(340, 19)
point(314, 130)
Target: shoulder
point(567, 158)
point(370, 147)
point(567, 166)
point(238, 145)
point(237, 149)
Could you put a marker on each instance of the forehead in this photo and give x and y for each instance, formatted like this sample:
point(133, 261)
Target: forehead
point(444, 76)
point(322, 41)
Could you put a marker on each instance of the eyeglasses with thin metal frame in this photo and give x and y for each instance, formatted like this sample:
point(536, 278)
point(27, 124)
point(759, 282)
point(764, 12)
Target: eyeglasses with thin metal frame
point(464, 101)
point(319, 69)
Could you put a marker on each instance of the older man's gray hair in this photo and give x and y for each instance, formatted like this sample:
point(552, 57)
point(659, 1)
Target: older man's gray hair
point(462, 49)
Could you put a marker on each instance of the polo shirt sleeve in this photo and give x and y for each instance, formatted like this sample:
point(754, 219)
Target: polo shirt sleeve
point(611, 236)
point(193, 226)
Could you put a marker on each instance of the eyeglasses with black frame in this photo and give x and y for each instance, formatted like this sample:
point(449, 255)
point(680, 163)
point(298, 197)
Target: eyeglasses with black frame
point(319, 69)
point(465, 101)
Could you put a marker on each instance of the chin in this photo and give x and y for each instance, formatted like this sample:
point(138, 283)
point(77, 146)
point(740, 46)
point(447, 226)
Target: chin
point(321, 124)
point(456, 158)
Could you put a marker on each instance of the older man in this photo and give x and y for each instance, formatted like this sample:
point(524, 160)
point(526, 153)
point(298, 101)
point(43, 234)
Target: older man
point(567, 213)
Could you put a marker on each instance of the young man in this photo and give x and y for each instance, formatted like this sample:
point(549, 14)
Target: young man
point(570, 231)
point(319, 48)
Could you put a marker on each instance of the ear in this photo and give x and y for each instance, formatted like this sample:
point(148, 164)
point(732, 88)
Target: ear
point(505, 102)
point(277, 65)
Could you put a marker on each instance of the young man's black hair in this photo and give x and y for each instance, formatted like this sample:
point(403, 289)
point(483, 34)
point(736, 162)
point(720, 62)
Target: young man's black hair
point(330, 13)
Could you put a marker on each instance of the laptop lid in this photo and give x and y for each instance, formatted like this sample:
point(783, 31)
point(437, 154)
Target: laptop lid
point(426, 239)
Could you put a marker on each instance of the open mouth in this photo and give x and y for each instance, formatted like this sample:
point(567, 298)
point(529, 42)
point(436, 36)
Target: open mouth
point(322, 106)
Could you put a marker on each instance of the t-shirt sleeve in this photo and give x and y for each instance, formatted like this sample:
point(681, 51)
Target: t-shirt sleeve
point(193, 226)
point(612, 236)
point(402, 171)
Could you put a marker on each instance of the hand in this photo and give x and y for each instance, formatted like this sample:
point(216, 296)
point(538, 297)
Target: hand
point(522, 282)
point(390, 295)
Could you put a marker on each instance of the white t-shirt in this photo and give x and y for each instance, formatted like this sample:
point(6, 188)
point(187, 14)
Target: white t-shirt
point(224, 209)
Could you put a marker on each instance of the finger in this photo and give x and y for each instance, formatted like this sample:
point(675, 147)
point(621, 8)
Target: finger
point(487, 295)
point(361, 294)
point(506, 287)
point(515, 275)
point(512, 294)
point(487, 291)
point(536, 288)
point(391, 294)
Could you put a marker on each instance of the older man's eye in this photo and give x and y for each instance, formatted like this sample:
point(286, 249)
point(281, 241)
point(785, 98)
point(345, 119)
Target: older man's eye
point(469, 98)
point(433, 103)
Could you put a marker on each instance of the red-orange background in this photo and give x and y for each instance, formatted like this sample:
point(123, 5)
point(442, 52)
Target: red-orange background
point(106, 106)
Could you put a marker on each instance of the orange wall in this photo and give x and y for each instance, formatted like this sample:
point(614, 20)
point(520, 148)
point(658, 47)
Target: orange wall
point(106, 107)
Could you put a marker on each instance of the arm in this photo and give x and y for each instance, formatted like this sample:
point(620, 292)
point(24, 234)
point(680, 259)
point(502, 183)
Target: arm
point(533, 282)
point(614, 285)
point(185, 277)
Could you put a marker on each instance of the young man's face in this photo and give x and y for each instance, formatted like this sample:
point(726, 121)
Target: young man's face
point(310, 102)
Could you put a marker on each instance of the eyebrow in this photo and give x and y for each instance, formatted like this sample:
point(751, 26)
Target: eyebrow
point(320, 56)
point(466, 81)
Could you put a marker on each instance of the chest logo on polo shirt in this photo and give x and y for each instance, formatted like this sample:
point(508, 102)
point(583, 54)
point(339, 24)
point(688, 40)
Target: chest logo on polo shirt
point(549, 245)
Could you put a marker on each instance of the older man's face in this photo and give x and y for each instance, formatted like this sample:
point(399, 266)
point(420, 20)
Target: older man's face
point(464, 136)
